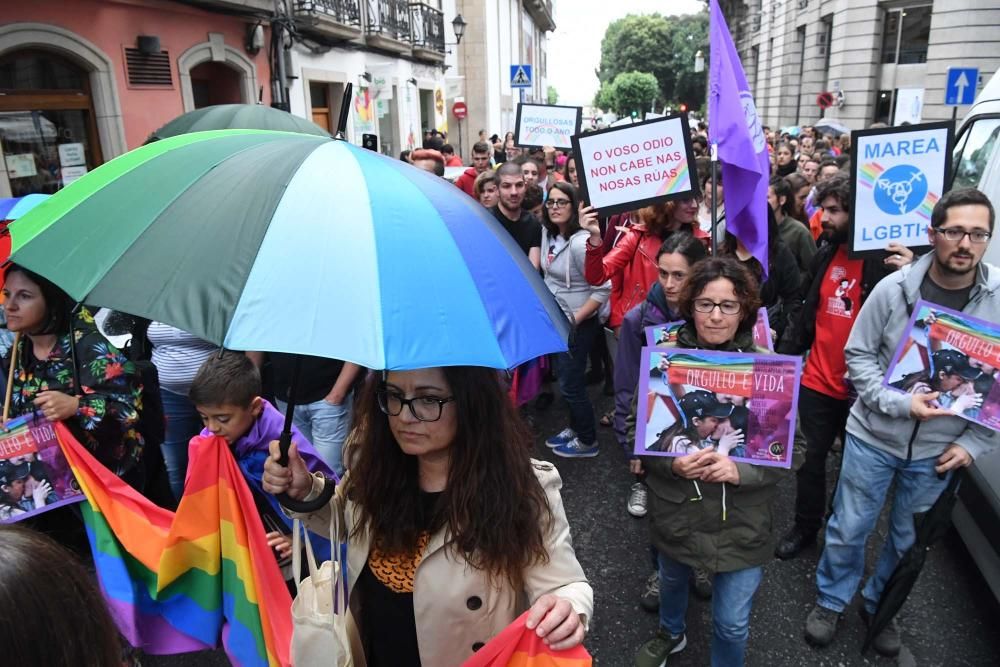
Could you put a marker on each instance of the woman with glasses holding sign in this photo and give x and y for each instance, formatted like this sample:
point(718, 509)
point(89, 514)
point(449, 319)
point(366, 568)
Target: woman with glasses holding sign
point(564, 252)
point(452, 529)
point(706, 510)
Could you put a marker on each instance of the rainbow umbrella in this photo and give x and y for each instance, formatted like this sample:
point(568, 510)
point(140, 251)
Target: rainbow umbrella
point(237, 117)
point(13, 208)
point(285, 242)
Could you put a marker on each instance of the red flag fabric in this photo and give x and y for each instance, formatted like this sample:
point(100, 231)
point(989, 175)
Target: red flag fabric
point(517, 646)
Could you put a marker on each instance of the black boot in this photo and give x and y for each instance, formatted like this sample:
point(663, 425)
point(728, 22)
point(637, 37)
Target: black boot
point(794, 541)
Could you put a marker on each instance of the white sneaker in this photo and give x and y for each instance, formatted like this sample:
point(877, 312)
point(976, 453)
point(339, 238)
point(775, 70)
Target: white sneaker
point(637, 500)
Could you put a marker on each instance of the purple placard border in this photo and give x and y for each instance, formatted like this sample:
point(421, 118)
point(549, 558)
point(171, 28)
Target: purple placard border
point(643, 391)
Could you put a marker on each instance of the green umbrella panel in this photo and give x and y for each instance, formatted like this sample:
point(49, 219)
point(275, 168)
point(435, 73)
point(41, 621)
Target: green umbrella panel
point(237, 117)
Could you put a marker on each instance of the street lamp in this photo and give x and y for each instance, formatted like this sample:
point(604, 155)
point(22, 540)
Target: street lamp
point(699, 62)
point(458, 25)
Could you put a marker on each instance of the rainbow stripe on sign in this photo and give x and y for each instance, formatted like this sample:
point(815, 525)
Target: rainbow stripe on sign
point(180, 582)
point(925, 208)
point(869, 173)
point(675, 184)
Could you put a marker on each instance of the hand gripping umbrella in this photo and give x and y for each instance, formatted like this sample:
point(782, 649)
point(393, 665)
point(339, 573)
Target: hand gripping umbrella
point(286, 242)
point(931, 526)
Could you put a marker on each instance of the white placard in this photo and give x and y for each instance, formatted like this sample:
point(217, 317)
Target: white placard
point(540, 125)
point(70, 174)
point(629, 167)
point(909, 106)
point(898, 175)
point(71, 155)
point(21, 165)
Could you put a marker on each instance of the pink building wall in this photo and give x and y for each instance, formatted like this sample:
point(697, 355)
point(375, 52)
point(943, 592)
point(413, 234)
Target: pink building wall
point(112, 25)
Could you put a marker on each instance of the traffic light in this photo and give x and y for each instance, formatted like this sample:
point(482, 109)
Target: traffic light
point(684, 108)
point(635, 114)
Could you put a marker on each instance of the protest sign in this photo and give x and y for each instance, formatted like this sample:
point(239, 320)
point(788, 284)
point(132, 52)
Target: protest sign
point(741, 405)
point(898, 175)
point(626, 168)
point(540, 125)
point(34, 474)
point(666, 334)
point(952, 353)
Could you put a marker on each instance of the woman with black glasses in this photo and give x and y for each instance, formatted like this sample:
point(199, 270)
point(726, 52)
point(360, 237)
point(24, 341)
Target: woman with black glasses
point(452, 529)
point(564, 253)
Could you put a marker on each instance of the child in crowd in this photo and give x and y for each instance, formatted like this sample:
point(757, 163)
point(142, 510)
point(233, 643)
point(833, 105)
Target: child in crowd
point(226, 393)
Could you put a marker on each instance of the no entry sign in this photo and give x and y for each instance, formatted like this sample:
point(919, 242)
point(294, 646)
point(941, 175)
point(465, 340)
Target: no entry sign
point(459, 110)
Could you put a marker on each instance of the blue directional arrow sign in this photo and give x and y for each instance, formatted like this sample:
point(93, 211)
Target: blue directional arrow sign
point(520, 76)
point(961, 86)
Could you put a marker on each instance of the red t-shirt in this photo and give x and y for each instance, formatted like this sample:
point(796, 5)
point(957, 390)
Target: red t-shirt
point(839, 303)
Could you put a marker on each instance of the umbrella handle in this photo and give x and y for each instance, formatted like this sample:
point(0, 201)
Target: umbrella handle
point(302, 506)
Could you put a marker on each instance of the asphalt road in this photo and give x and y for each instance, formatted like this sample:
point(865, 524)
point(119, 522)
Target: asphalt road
point(950, 618)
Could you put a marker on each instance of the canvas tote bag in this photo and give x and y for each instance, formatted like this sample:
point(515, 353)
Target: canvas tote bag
point(320, 615)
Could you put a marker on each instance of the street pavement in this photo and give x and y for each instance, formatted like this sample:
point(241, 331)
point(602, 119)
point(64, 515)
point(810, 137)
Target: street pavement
point(950, 618)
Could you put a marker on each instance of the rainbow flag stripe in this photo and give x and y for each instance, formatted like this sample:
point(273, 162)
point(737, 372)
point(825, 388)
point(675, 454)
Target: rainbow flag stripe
point(179, 582)
point(869, 173)
point(678, 182)
point(924, 211)
point(517, 646)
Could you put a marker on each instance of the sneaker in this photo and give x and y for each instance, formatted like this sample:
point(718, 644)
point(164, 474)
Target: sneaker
point(574, 449)
point(655, 652)
point(562, 438)
point(637, 500)
point(821, 625)
point(701, 583)
point(650, 600)
point(886, 643)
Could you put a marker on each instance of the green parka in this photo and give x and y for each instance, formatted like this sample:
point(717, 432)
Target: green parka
point(708, 525)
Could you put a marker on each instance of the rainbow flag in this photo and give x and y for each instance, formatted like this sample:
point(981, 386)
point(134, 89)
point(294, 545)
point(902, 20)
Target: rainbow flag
point(517, 646)
point(869, 173)
point(179, 582)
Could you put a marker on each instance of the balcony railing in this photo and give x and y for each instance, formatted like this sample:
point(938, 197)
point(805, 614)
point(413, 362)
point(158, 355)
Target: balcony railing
point(389, 18)
point(427, 27)
point(347, 12)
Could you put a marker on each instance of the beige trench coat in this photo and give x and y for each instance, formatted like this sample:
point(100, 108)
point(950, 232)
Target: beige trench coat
point(455, 608)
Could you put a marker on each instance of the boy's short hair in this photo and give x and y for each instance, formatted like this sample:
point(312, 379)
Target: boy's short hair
point(229, 378)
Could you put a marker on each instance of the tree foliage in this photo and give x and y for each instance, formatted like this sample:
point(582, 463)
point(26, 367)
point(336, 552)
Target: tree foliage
point(632, 92)
point(552, 95)
point(664, 46)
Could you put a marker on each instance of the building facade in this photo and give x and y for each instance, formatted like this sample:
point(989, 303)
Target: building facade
point(881, 61)
point(82, 82)
point(507, 32)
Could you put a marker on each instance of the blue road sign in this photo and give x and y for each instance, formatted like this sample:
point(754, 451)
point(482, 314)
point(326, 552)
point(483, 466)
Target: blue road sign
point(961, 86)
point(520, 76)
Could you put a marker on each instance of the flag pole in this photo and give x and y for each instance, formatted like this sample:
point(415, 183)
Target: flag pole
point(715, 204)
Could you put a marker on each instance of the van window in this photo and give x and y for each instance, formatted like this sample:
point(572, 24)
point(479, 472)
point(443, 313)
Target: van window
point(978, 147)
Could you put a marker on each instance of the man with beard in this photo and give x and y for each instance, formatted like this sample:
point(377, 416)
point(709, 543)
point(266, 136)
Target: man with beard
point(523, 227)
point(902, 440)
point(834, 289)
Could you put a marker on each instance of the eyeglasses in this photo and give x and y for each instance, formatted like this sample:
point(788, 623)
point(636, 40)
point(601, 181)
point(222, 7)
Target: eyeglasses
point(556, 203)
point(725, 307)
point(423, 408)
point(957, 234)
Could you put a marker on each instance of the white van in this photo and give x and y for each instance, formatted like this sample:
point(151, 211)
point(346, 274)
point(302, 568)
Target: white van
point(977, 164)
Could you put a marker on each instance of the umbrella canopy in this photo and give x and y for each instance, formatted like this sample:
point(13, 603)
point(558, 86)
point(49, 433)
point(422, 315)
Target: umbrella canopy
point(14, 207)
point(237, 117)
point(931, 526)
point(832, 127)
point(293, 243)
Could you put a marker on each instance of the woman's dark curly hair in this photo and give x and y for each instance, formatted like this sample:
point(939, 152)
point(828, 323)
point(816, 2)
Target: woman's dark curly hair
point(715, 268)
point(58, 305)
point(493, 510)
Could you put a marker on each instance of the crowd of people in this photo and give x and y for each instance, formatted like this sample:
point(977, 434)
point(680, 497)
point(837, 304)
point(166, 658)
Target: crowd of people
point(453, 528)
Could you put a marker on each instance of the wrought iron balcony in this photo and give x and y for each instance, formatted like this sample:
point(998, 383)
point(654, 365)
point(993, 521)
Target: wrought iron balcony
point(339, 18)
point(428, 31)
point(390, 20)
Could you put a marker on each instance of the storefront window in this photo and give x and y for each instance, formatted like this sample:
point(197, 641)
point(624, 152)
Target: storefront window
point(47, 131)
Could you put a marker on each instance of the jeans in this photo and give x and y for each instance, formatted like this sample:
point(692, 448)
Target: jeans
point(325, 426)
point(865, 477)
point(822, 419)
point(183, 423)
point(571, 371)
point(732, 599)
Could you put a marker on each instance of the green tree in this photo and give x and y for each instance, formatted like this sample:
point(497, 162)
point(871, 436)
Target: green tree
point(604, 99)
point(552, 95)
point(664, 46)
point(633, 92)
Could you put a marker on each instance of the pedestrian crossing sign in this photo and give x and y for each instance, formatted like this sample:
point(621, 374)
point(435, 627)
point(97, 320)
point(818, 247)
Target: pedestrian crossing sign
point(520, 76)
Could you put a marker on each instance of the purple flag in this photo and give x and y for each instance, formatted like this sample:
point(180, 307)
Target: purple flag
point(735, 127)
